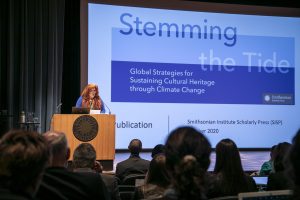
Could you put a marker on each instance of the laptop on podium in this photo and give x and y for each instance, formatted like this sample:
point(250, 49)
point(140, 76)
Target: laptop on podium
point(77, 110)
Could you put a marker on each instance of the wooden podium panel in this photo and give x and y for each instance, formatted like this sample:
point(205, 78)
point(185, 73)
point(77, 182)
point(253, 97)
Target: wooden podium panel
point(104, 142)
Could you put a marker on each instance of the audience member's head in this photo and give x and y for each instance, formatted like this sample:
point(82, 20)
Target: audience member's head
point(295, 157)
point(295, 164)
point(157, 173)
point(228, 158)
point(23, 158)
point(84, 156)
point(272, 152)
point(158, 149)
point(229, 169)
point(280, 156)
point(135, 147)
point(59, 148)
point(187, 158)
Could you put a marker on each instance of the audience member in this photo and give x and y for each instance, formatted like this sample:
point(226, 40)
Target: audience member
point(267, 167)
point(187, 160)
point(84, 160)
point(295, 164)
point(71, 185)
point(157, 180)
point(134, 164)
point(158, 149)
point(230, 177)
point(279, 180)
point(23, 158)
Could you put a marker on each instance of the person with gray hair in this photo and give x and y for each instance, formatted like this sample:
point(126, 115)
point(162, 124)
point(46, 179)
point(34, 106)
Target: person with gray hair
point(69, 185)
point(23, 158)
point(59, 148)
point(84, 160)
point(84, 157)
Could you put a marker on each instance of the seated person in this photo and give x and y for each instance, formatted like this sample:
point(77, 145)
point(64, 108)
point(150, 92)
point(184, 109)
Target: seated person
point(84, 160)
point(230, 177)
point(187, 160)
point(279, 180)
point(75, 186)
point(157, 180)
point(23, 158)
point(267, 167)
point(134, 164)
point(294, 158)
point(90, 99)
point(158, 149)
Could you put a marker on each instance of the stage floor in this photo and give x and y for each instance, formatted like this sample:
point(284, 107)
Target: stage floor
point(251, 160)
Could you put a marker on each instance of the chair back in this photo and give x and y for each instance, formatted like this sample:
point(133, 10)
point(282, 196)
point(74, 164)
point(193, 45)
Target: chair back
point(225, 198)
point(266, 195)
point(126, 188)
point(126, 195)
point(130, 179)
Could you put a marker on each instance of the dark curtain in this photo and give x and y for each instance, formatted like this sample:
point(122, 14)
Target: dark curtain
point(71, 70)
point(31, 58)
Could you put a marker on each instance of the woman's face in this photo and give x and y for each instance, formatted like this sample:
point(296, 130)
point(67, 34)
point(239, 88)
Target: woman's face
point(92, 93)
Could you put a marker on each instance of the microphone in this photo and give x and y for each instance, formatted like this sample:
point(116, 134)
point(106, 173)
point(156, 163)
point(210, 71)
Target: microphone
point(58, 107)
point(106, 107)
point(91, 104)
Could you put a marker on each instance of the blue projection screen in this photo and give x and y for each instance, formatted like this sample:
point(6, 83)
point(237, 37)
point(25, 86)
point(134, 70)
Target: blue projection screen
point(229, 75)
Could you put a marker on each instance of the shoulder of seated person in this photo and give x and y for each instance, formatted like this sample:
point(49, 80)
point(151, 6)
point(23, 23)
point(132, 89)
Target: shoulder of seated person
point(145, 160)
point(56, 169)
point(108, 176)
point(122, 162)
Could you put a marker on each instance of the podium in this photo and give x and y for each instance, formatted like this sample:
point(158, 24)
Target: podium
point(98, 130)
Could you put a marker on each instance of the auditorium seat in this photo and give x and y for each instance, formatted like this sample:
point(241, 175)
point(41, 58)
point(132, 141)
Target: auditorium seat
point(226, 198)
point(126, 188)
point(266, 195)
point(130, 179)
point(126, 195)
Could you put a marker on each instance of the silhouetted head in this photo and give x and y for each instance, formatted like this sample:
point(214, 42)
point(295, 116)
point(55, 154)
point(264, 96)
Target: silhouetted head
point(23, 158)
point(187, 159)
point(135, 147)
point(158, 149)
point(84, 156)
point(185, 141)
point(272, 152)
point(229, 169)
point(295, 158)
point(280, 156)
point(228, 158)
point(157, 173)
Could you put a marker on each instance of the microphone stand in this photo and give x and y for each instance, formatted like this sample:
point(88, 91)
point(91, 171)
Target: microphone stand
point(109, 112)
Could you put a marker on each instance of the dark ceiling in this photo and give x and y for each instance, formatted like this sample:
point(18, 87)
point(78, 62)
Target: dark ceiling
point(275, 3)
